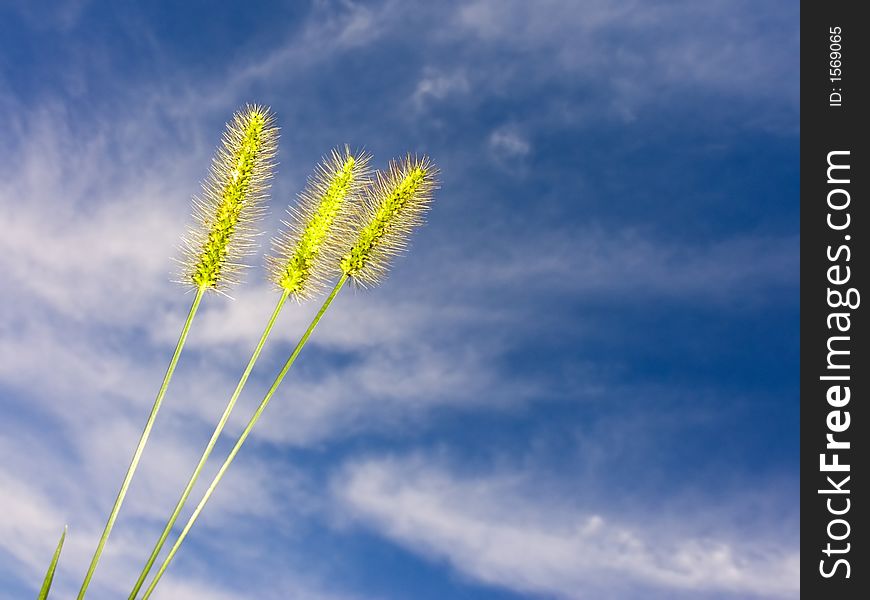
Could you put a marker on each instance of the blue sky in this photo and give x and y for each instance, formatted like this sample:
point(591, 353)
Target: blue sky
point(581, 382)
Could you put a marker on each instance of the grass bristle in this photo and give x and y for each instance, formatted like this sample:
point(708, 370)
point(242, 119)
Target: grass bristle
point(393, 207)
point(231, 201)
point(300, 264)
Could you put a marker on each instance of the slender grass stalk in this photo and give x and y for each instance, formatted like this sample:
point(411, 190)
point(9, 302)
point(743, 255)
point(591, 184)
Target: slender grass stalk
point(243, 437)
point(394, 206)
point(231, 202)
point(49, 575)
point(298, 270)
point(208, 449)
point(143, 439)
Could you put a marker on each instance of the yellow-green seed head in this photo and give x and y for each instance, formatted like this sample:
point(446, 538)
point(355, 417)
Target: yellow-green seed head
point(231, 201)
point(301, 264)
point(394, 205)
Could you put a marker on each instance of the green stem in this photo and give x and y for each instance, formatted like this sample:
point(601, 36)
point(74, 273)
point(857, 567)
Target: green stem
point(143, 439)
point(208, 449)
point(243, 437)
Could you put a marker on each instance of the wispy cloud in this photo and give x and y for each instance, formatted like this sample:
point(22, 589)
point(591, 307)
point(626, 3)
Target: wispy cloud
point(495, 528)
point(508, 144)
point(63, 16)
point(709, 45)
point(334, 28)
point(436, 85)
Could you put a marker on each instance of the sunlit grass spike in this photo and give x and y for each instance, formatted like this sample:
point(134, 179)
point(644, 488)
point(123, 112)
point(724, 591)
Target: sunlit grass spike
point(394, 206)
point(300, 264)
point(231, 201)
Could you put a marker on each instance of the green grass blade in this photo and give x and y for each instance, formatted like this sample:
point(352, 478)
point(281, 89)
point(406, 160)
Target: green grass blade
point(49, 576)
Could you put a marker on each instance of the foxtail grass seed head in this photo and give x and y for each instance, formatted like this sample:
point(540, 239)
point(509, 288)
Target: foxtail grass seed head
point(393, 207)
point(231, 201)
point(300, 264)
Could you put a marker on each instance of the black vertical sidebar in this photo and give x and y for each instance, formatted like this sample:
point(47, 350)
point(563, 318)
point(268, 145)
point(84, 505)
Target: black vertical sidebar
point(835, 227)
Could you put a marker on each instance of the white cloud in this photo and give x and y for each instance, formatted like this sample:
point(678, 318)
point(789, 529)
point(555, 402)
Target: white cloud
point(498, 530)
point(334, 28)
point(436, 85)
point(63, 16)
point(506, 143)
point(35, 508)
point(631, 54)
point(30, 525)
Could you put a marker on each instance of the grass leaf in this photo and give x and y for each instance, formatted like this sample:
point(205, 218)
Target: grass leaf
point(49, 576)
